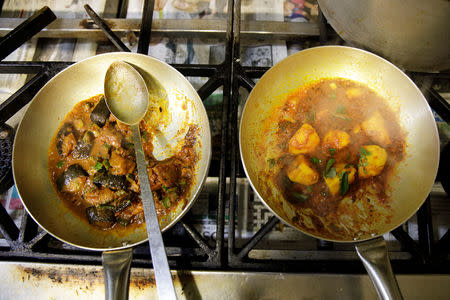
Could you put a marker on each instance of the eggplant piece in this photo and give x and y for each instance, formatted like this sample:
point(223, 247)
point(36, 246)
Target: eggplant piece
point(123, 204)
point(72, 172)
point(84, 145)
point(102, 215)
point(114, 182)
point(65, 130)
point(100, 113)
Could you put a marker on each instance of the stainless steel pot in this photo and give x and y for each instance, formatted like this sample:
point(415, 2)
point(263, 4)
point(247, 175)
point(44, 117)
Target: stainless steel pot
point(414, 176)
point(40, 122)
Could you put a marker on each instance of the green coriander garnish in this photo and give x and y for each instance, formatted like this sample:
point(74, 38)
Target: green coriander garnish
point(98, 166)
point(344, 184)
point(300, 197)
point(166, 202)
point(328, 167)
point(315, 160)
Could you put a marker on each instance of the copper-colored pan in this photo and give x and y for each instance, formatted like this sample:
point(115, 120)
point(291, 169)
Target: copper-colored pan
point(414, 176)
point(82, 81)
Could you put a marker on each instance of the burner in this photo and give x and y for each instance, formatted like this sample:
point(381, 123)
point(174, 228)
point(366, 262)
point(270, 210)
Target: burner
point(6, 147)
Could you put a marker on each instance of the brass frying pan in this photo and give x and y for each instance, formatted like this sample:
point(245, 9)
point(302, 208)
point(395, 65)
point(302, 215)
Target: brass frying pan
point(414, 176)
point(50, 105)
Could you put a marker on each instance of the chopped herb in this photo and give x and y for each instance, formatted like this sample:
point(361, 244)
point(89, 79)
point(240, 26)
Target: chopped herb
point(331, 173)
point(164, 187)
point(107, 146)
point(332, 151)
point(313, 115)
point(60, 164)
point(342, 116)
point(145, 136)
point(333, 96)
point(344, 184)
point(172, 190)
point(122, 205)
point(120, 193)
point(106, 164)
point(107, 206)
point(295, 219)
point(328, 167)
point(308, 188)
point(166, 202)
point(363, 151)
point(340, 109)
point(271, 162)
point(98, 166)
point(300, 197)
point(363, 162)
point(315, 160)
point(182, 183)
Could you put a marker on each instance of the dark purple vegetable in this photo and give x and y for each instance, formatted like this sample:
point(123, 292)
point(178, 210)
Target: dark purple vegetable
point(102, 215)
point(100, 113)
point(84, 145)
point(72, 172)
point(114, 182)
point(65, 130)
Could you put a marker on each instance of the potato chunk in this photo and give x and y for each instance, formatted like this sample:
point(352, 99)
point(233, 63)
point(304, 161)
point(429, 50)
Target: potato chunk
point(371, 161)
point(375, 128)
point(334, 184)
point(302, 172)
point(335, 139)
point(305, 140)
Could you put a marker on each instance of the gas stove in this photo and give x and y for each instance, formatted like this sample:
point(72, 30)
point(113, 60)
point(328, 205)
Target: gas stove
point(228, 235)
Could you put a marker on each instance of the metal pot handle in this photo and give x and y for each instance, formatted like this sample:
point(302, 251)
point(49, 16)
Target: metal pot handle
point(116, 266)
point(374, 256)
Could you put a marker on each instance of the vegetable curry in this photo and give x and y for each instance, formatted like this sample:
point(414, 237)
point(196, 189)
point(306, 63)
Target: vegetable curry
point(92, 167)
point(335, 147)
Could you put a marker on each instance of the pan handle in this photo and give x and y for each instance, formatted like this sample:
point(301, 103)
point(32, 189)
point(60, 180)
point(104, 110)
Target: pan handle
point(116, 266)
point(374, 256)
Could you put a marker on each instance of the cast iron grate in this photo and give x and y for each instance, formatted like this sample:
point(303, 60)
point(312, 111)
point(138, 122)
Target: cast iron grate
point(185, 246)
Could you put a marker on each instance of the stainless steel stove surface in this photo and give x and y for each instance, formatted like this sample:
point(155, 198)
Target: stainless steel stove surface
point(222, 50)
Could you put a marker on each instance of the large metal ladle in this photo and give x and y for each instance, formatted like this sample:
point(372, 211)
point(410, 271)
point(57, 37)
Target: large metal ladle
point(127, 98)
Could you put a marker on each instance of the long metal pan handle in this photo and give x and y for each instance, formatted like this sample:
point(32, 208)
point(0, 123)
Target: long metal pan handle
point(116, 266)
point(374, 256)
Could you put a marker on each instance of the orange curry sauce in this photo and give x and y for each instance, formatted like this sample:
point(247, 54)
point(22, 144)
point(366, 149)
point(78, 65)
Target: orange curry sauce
point(337, 138)
point(91, 163)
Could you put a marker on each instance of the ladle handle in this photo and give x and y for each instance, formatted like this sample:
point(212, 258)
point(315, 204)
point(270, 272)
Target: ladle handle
point(374, 256)
point(163, 277)
point(116, 266)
